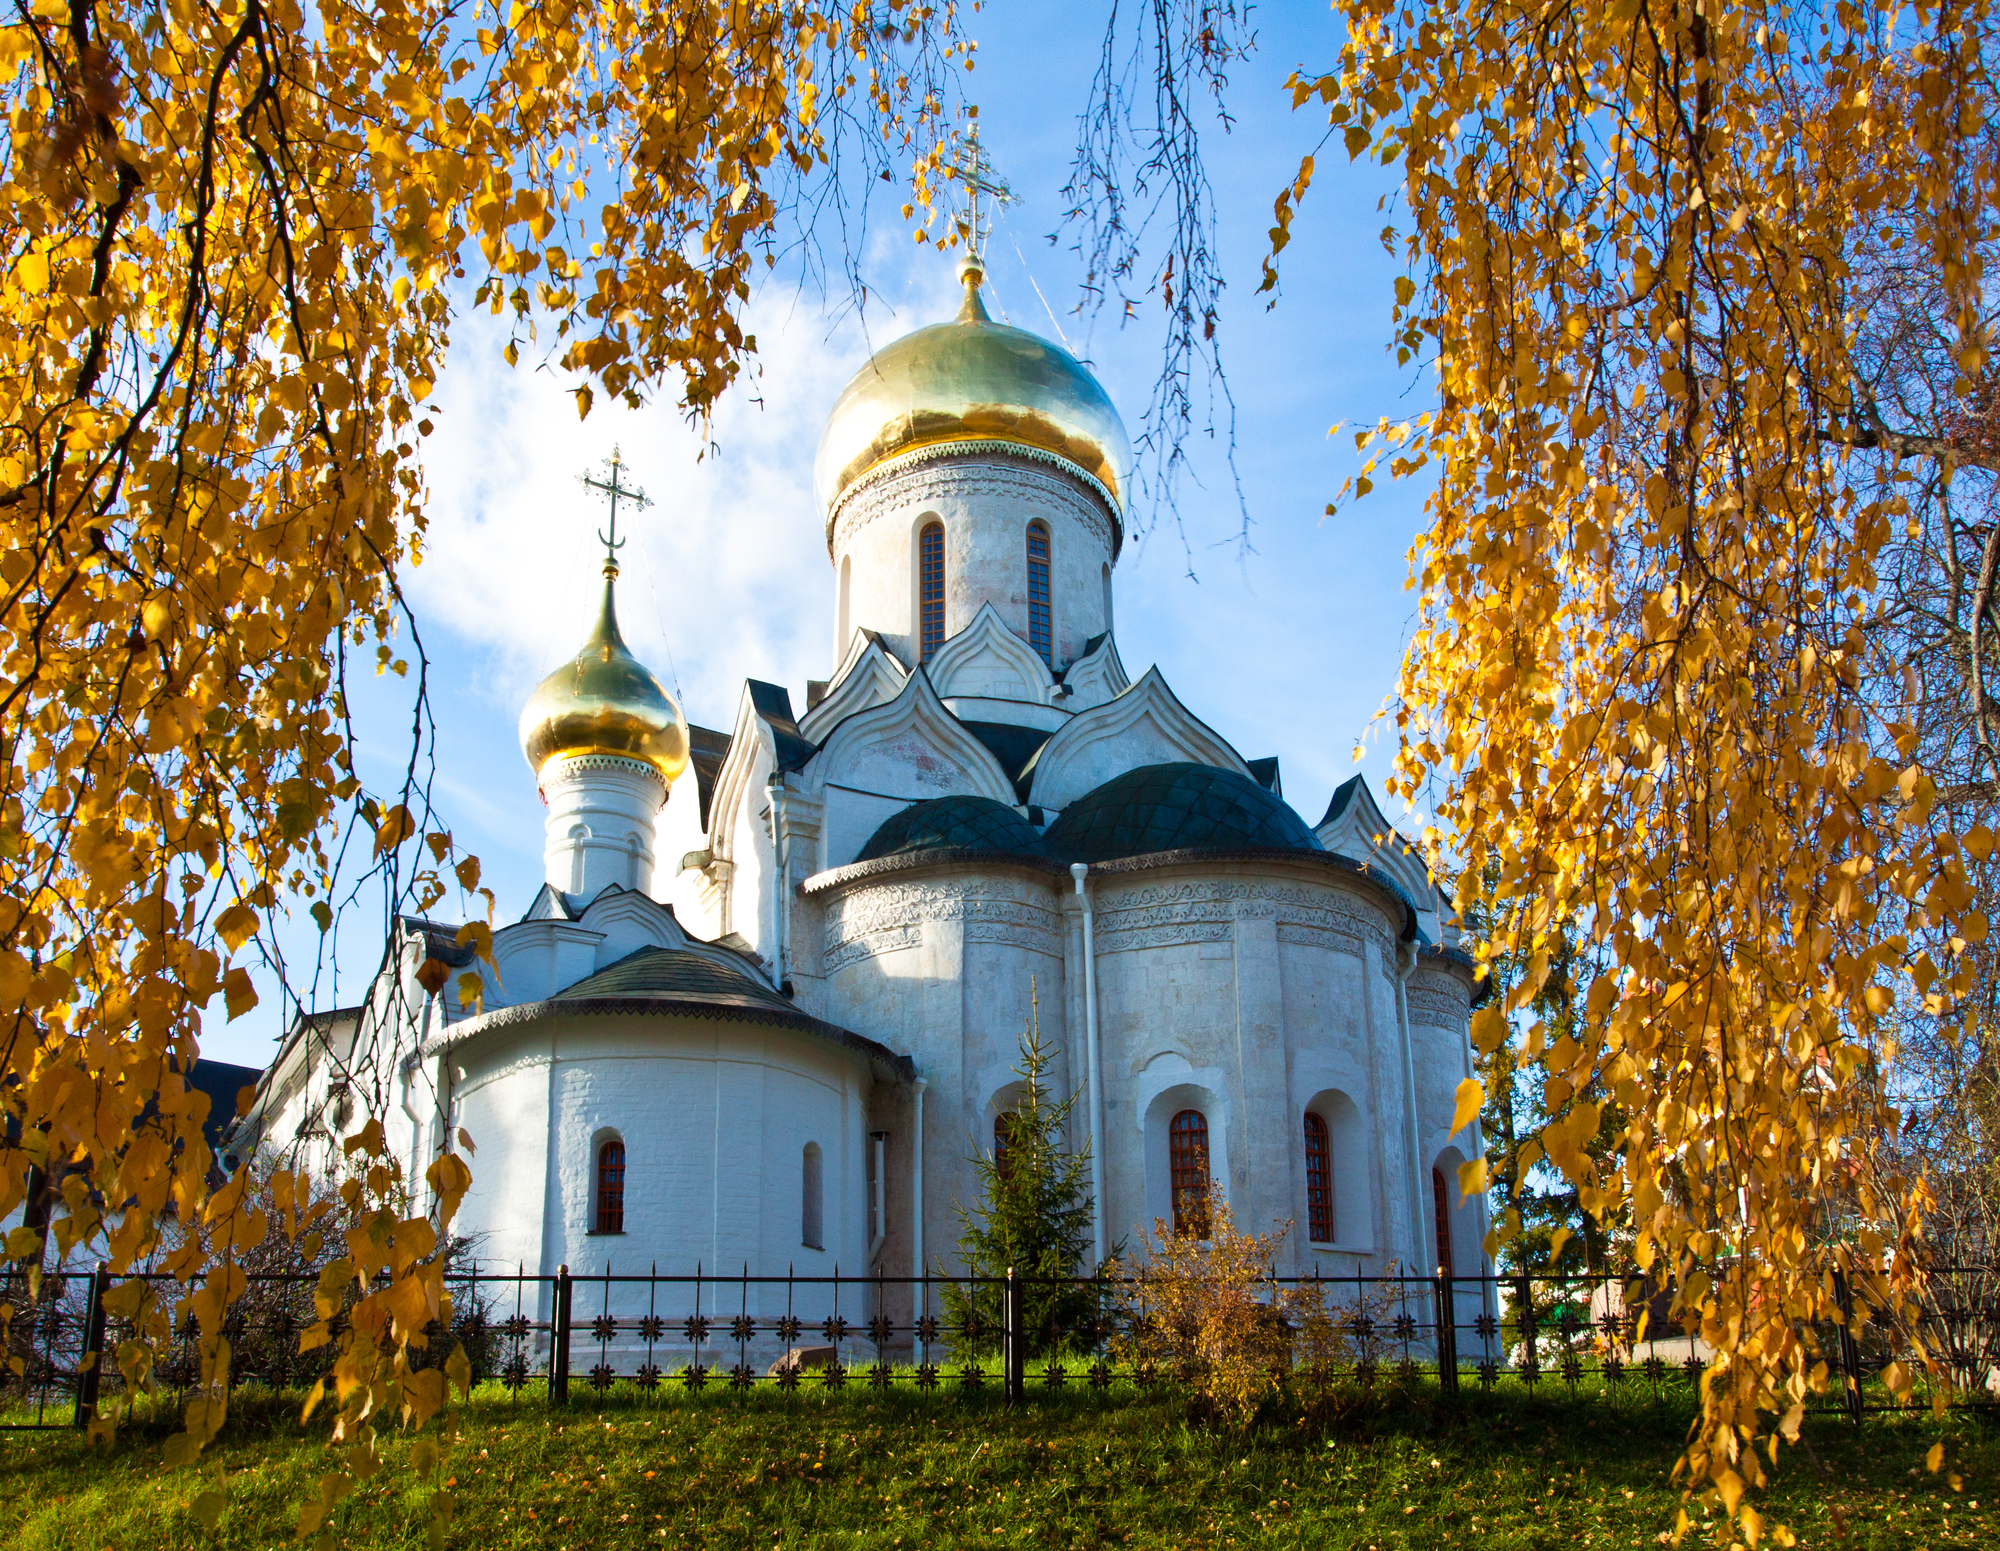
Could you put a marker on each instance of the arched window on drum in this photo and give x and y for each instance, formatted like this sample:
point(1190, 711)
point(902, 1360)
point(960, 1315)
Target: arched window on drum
point(1187, 1162)
point(930, 588)
point(1041, 631)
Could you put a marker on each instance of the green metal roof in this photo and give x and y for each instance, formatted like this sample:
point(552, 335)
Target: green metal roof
point(673, 972)
point(1175, 807)
point(961, 823)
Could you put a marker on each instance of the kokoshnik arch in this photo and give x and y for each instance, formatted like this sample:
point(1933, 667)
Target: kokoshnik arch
point(768, 1000)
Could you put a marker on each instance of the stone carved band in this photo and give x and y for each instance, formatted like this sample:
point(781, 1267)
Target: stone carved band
point(927, 477)
point(1033, 939)
point(855, 949)
point(1305, 934)
point(1439, 1002)
point(1171, 914)
point(880, 920)
point(1163, 934)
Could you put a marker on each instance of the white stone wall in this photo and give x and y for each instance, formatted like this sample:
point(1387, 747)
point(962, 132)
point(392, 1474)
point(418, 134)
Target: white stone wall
point(715, 1117)
point(942, 965)
point(985, 501)
point(1250, 993)
point(678, 832)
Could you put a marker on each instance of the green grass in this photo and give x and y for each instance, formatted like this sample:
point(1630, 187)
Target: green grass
point(1065, 1470)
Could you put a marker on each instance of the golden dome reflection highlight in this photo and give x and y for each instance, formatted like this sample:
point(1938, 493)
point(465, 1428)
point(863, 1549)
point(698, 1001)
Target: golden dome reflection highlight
point(973, 379)
point(605, 701)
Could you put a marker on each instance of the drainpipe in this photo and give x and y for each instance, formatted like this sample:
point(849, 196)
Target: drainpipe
point(779, 847)
point(917, 1186)
point(1406, 967)
point(1079, 871)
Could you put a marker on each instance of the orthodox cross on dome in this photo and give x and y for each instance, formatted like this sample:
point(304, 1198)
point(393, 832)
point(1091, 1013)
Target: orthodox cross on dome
point(614, 492)
point(984, 192)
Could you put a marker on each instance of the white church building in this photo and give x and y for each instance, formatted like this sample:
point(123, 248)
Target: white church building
point(769, 999)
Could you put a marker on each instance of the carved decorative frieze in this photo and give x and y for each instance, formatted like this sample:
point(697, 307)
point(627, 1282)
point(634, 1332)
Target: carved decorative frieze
point(1439, 1002)
point(870, 921)
point(855, 949)
point(990, 474)
point(1015, 934)
point(1308, 935)
point(1203, 910)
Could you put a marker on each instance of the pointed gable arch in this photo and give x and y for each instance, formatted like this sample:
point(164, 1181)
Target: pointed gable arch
point(1355, 826)
point(628, 921)
point(755, 751)
point(867, 676)
point(1097, 677)
point(911, 748)
point(1146, 725)
point(988, 661)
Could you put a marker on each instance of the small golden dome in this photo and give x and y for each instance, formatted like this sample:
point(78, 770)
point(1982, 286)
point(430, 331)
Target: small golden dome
point(972, 379)
point(604, 701)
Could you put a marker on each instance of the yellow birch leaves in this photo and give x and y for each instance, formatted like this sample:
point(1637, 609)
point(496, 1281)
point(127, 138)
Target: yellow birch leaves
point(232, 236)
point(1634, 695)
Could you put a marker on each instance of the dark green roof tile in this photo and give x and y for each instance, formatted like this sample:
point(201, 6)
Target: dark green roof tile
point(1175, 807)
point(674, 972)
point(961, 823)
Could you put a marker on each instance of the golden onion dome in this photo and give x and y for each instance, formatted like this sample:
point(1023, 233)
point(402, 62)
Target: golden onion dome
point(605, 701)
point(972, 379)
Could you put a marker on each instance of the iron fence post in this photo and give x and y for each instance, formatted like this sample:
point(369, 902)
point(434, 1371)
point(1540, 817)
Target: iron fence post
point(1014, 1338)
point(90, 1360)
point(1447, 1333)
point(1850, 1349)
point(559, 1355)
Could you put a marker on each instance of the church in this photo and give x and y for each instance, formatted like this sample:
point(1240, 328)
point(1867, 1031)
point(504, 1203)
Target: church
point(768, 1002)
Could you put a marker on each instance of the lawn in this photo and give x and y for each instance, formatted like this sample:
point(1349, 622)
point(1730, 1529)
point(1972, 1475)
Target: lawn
point(1064, 1470)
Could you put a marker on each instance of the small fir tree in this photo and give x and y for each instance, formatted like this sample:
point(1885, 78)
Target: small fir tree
point(1036, 1217)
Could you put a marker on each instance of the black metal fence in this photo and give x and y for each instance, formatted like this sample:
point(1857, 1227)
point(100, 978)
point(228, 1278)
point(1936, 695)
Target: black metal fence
point(1603, 1338)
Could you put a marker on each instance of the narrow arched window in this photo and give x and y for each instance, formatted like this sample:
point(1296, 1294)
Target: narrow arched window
point(1003, 1140)
point(1187, 1160)
point(610, 1216)
point(812, 1201)
point(1441, 1206)
point(842, 629)
point(1319, 1180)
point(1107, 595)
point(930, 588)
point(1040, 636)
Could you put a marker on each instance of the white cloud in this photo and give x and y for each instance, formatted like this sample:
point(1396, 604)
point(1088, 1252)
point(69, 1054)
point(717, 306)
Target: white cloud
point(725, 576)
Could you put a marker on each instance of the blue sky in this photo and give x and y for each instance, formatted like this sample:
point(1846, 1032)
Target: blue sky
point(1287, 650)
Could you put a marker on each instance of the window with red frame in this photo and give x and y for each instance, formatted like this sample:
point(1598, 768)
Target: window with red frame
point(1441, 1205)
point(611, 1187)
point(1003, 1140)
point(1319, 1180)
point(1187, 1156)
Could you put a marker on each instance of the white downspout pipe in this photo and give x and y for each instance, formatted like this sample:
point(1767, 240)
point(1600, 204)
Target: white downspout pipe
point(1406, 968)
point(917, 1187)
point(1080, 871)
